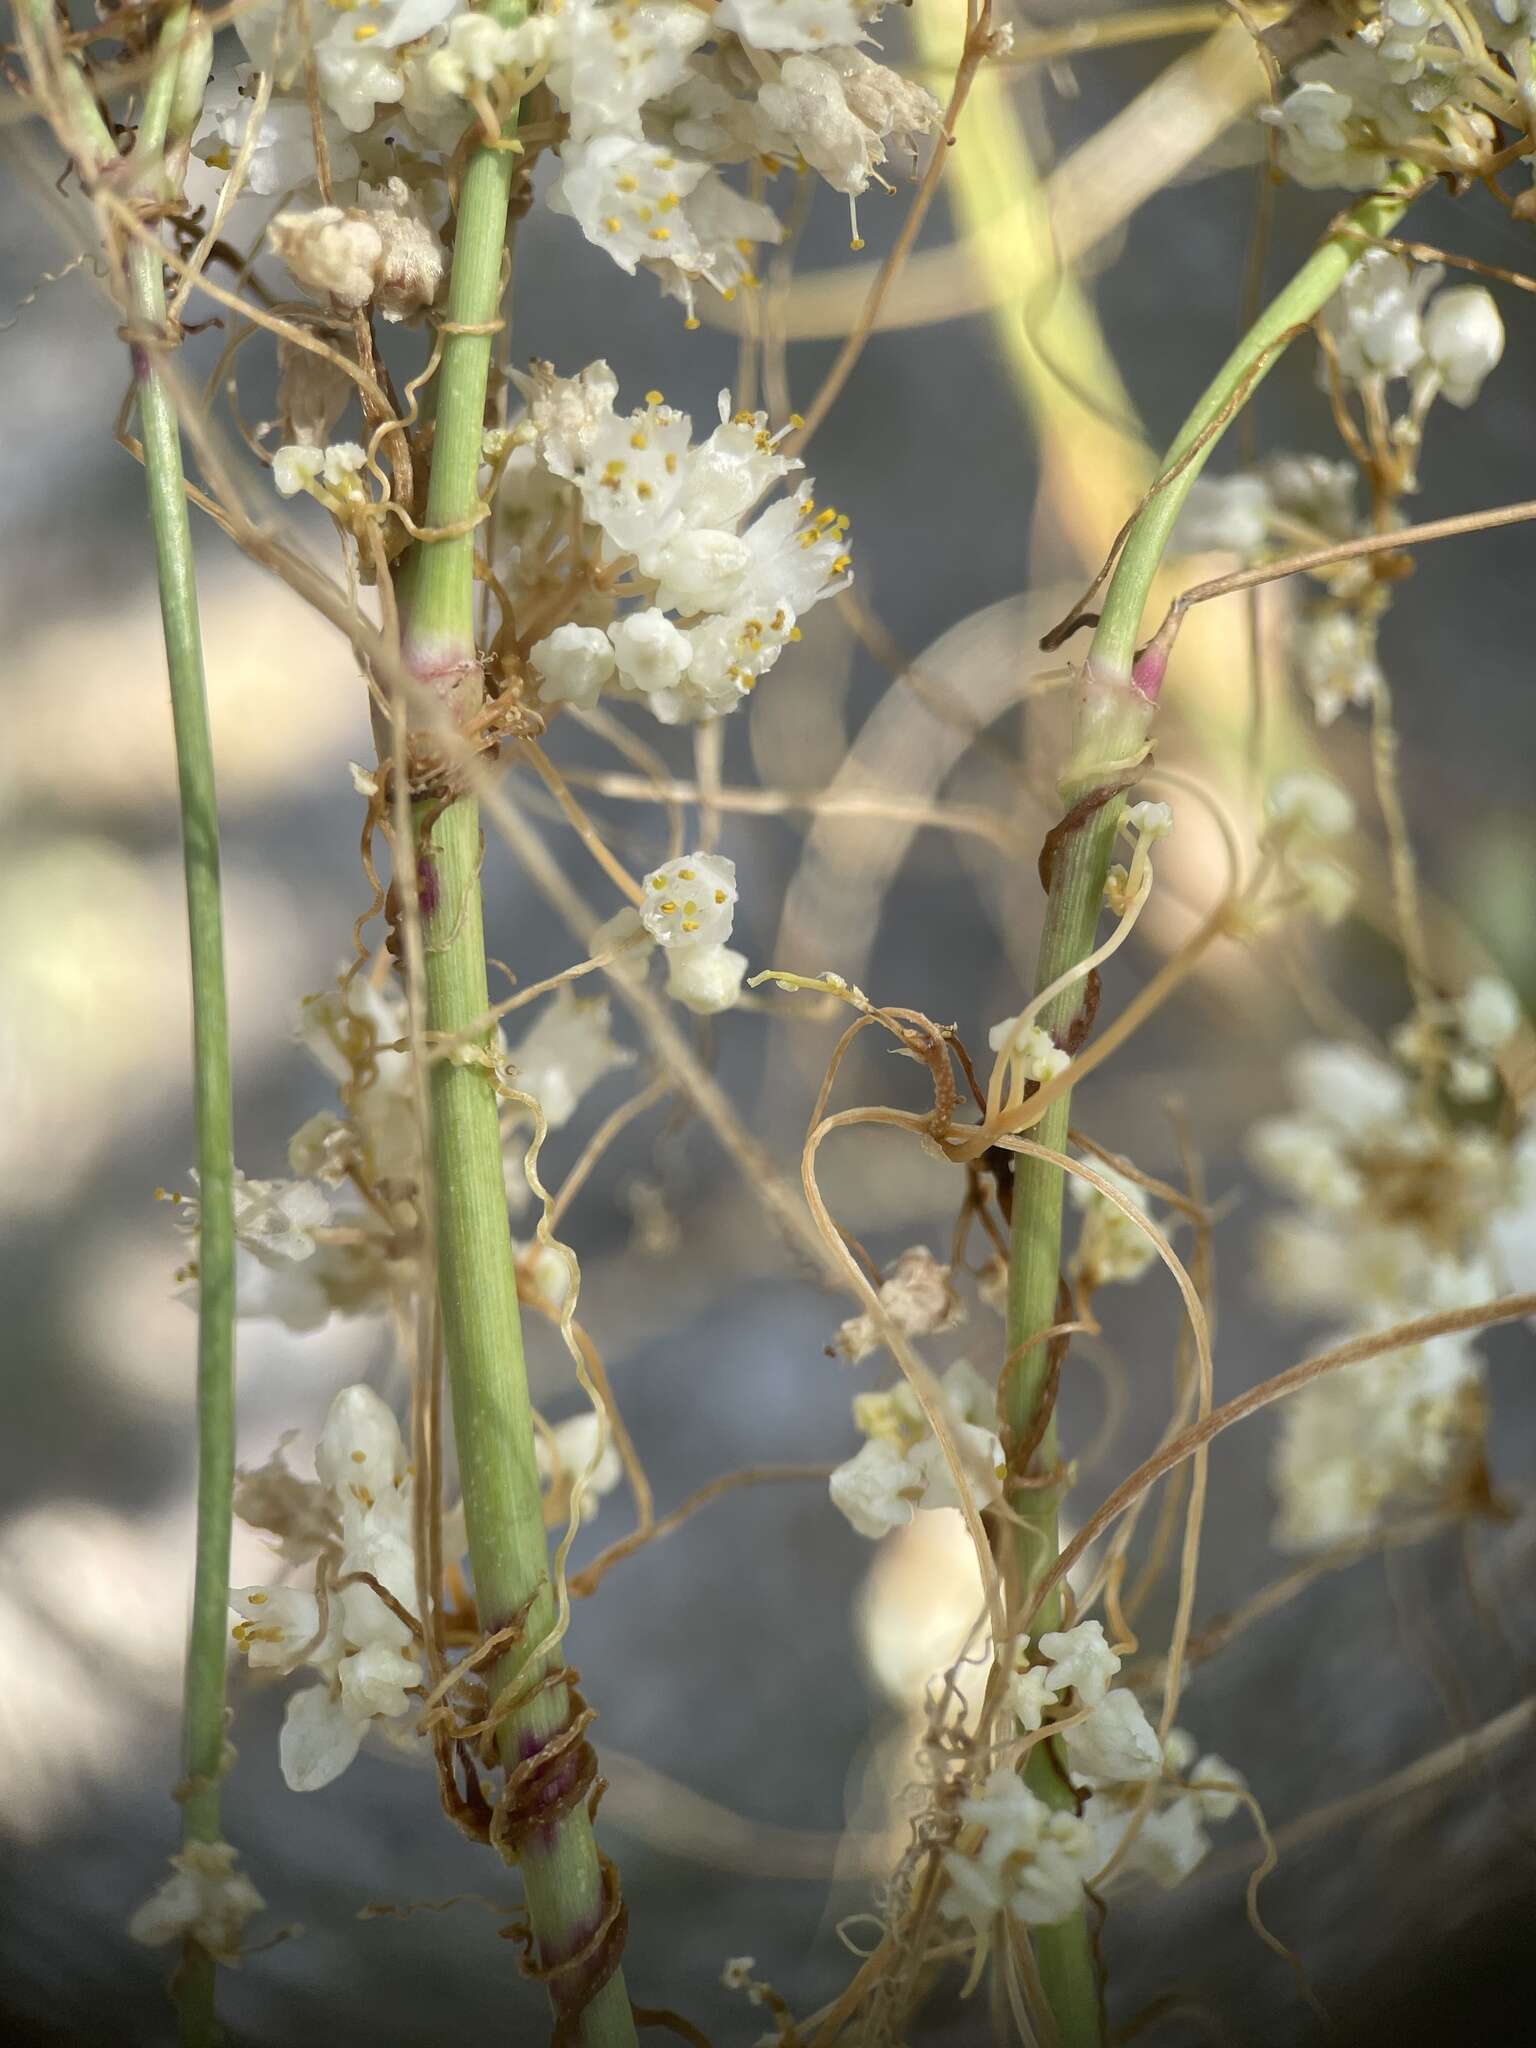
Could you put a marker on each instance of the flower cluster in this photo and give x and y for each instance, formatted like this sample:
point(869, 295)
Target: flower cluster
point(902, 1466)
point(1306, 815)
point(603, 510)
point(332, 1240)
point(1404, 1207)
point(1144, 1804)
point(1110, 1247)
point(654, 101)
point(1413, 82)
point(358, 1628)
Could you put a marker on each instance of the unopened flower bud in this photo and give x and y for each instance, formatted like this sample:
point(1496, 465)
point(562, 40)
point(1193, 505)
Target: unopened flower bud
point(1464, 339)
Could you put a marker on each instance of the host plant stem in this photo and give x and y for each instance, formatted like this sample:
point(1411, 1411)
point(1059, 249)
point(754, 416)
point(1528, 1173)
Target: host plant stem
point(1114, 719)
point(493, 1423)
point(173, 95)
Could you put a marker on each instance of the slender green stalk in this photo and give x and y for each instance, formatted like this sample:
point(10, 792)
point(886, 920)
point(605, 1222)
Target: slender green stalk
point(572, 1896)
point(1114, 717)
point(203, 1700)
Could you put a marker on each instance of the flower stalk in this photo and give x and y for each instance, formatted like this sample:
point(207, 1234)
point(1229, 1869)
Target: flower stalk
point(543, 1823)
point(1117, 700)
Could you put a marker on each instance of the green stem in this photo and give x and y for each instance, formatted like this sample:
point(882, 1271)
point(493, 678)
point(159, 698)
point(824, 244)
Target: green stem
point(1114, 718)
point(1114, 644)
point(203, 1699)
point(570, 1890)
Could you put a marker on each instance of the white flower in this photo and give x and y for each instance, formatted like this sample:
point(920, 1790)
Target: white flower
point(1326, 889)
point(205, 1900)
point(1080, 1658)
point(626, 195)
point(281, 1629)
point(878, 1489)
point(581, 1447)
point(319, 1739)
point(1489, 1013)
point(794, 24)
point(1336, 661)
point(1116, 1742)
point(650, 653)
point(690, 901)
point(1220, 1787)
point(1150, 821)
point(606, 63)
point(1463, 340)
point(572, 664)
point(1323, 140)
point(1310, 806)
point(1032, 1050)
point(1230, 512)
point(566, 1053)
point(360, 1456)
point(1029, 1694)
point(1110, 1248)
point(877, 1492)
point(705, 979)
point(1031, 1865)
point(1317, 490)
point(1375, 318)
point(700, 569)
point(282, 154)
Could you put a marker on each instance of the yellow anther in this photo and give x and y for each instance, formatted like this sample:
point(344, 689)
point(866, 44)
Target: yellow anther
point(366, 33)
point(661, 234)
point(640, 438)
point(690, 924)
point(614, 466)
point(257, 1599)
point(667, 202)
point(719, 895)
point(669, 907)
point(691, 322)
point(796, 421)
point(658, 881)
point(827, 517)
point(687, 875)
point(612, 223)
point(794, 633)
point(729, 293)
point(843, 562)
point(671, 460)
point(645, 490)
point(654, 398)
point(359, 1457)
point(645, 213)
point(627, 183)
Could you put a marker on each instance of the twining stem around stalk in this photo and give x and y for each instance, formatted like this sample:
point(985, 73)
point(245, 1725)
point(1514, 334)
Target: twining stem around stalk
point(1116, 701)
point(574, 1909)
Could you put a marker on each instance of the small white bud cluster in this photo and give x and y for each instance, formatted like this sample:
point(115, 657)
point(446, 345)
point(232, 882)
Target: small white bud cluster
point(1471, 1028)
point(1405, 85)
point(1388, 322)
point(902, 1466)
point(1399, 1211)
point(1306, 812)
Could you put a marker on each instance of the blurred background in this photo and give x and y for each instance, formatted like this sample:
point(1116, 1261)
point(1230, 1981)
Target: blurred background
point(752, 1671)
